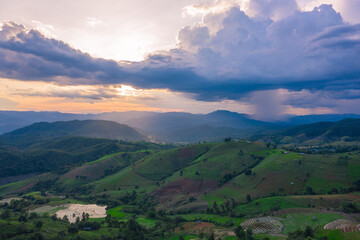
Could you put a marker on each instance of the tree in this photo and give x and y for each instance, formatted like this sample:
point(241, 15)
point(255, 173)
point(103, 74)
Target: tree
point(22, 228)
point(33, 215)
point(73, 230)
point(215, 207)
point(65, 218)
point(309, 232)
point(54, 217)
point(242, 234)
point(212, 236)
point(350, 208)
point(309, 190)
point(248, 172)
point(248, 198)
point(22, 218)
point(239, 232)
point(5, 215)
point(37, 236)
point(38, 224)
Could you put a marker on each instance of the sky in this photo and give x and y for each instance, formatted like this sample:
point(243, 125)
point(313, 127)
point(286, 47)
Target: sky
point(267, 58)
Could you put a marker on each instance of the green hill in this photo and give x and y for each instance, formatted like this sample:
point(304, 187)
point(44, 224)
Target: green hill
point(202, 133)
point(321, 132)
point(209, 171)
point(215, 185)
point(292, 173)
point(60, 154)
point(85, 128)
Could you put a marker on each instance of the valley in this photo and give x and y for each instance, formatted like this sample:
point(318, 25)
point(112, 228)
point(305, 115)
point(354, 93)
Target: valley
point(206, 190)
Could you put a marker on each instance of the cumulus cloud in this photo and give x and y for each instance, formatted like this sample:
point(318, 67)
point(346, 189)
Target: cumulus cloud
point(311, 50)
point(269, 47)
point(274, 9)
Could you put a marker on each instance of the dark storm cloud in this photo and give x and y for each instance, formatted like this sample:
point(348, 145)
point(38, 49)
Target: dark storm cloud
point(312, 50)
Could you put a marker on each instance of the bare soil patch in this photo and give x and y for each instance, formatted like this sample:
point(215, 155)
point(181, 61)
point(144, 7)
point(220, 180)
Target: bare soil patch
point(183, 193)
point(73, 211)
point(187, 186)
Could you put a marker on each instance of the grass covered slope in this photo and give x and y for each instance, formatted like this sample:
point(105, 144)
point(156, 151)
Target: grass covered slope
point(212, 172)
point(293, 173)
point(164, 164)
point(217, 163)
point(226, 160)
point(148, 172)
point(60, 153)
point(202, 188)
point(99, 169)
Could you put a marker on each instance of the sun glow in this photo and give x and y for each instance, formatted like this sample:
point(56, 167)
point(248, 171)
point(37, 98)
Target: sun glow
point(126, 90)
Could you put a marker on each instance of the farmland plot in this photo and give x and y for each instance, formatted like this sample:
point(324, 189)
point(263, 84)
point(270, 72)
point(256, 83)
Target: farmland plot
point(263, 225)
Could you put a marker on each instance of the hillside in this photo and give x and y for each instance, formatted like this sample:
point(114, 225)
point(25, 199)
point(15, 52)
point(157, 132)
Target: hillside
point(223, 167)
point(202, 133)
point(346, 130)
point(294, 173)
point(222, 185)
point(11, 120)
point(60, 154)
point(85, 128)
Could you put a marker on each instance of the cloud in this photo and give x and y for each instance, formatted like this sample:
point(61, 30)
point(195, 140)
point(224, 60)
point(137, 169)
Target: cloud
point(89, 94)
point(6, 104)
point(348, 8)
point(306, 50)
point(274, 9)
point(277, 104)
point(93, 22)
point(268, 105)
point(275, 47)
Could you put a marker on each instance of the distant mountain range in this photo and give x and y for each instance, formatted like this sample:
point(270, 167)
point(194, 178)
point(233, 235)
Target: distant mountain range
point(168, 127)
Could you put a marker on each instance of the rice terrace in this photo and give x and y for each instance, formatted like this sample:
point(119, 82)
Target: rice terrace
point(180, 120)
